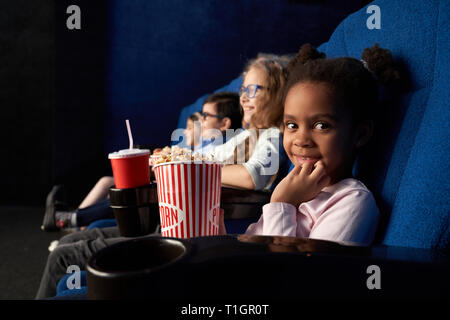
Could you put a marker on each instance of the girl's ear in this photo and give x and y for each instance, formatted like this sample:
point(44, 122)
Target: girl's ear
point(225, 124)
point(364, 133)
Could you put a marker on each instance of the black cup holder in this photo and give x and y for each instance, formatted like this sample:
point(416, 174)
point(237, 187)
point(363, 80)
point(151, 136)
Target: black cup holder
point(135, 209)
point(130, 269)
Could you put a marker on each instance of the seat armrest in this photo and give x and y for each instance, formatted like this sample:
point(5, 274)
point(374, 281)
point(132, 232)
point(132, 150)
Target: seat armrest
point(241, 196)
point(229, 196)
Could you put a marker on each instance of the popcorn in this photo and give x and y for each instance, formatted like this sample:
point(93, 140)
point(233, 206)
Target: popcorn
point(175, 153)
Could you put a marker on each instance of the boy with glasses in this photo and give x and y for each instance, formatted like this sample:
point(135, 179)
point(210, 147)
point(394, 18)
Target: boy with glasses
point(221, 111)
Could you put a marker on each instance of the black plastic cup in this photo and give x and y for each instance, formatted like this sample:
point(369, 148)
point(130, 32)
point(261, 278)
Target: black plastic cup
point(138, 268)
point(135, 209)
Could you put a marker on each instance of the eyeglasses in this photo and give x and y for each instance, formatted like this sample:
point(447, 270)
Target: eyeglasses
point(250, 90)
point(206, 114)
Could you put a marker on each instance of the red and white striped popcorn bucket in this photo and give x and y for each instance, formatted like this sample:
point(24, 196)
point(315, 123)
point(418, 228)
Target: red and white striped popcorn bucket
point(189, 198)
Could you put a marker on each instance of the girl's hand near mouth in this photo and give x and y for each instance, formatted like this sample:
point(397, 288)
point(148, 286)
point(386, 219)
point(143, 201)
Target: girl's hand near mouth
point(302, 184)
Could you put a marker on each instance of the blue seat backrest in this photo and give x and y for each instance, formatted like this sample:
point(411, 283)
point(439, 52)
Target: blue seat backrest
point(233, 86)
point(407, 167)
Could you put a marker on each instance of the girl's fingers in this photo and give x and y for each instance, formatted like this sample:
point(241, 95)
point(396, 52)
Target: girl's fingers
point(296, 170)
point(307, 168)
point(318, 171)
point(319, 164)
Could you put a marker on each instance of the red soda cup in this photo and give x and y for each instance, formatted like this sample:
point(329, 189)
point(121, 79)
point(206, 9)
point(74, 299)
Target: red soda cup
point(130, 168)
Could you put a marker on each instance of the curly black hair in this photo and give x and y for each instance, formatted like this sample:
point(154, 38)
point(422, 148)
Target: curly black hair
point(353, 83)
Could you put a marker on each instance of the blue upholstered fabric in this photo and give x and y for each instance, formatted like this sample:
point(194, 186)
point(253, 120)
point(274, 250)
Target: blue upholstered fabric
point(407, 164)
point(69, 293)
point(63, 290)
point(233, 86)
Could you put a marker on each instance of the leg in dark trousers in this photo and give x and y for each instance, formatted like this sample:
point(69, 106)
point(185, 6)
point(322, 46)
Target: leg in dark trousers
point(74, 249)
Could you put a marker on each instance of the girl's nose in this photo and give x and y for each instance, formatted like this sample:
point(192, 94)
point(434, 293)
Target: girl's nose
point(244, 98)
point(303, 139)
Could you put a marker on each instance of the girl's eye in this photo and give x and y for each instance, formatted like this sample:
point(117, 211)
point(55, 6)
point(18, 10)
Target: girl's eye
point(321, 126)
point(290, 125)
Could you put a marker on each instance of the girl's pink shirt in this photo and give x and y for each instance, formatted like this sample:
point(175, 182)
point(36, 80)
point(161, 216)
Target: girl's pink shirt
point(345, 211)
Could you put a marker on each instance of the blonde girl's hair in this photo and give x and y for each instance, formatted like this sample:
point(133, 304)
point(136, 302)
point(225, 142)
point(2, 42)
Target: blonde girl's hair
point(271, 113)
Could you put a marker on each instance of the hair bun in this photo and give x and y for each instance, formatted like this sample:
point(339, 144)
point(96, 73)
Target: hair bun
point(306, 53)
point(380, 62)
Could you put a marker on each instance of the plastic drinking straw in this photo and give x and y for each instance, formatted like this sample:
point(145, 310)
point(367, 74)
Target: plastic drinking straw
point(130, 136)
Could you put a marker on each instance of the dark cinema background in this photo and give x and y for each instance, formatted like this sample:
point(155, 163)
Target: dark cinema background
point(65, 94)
